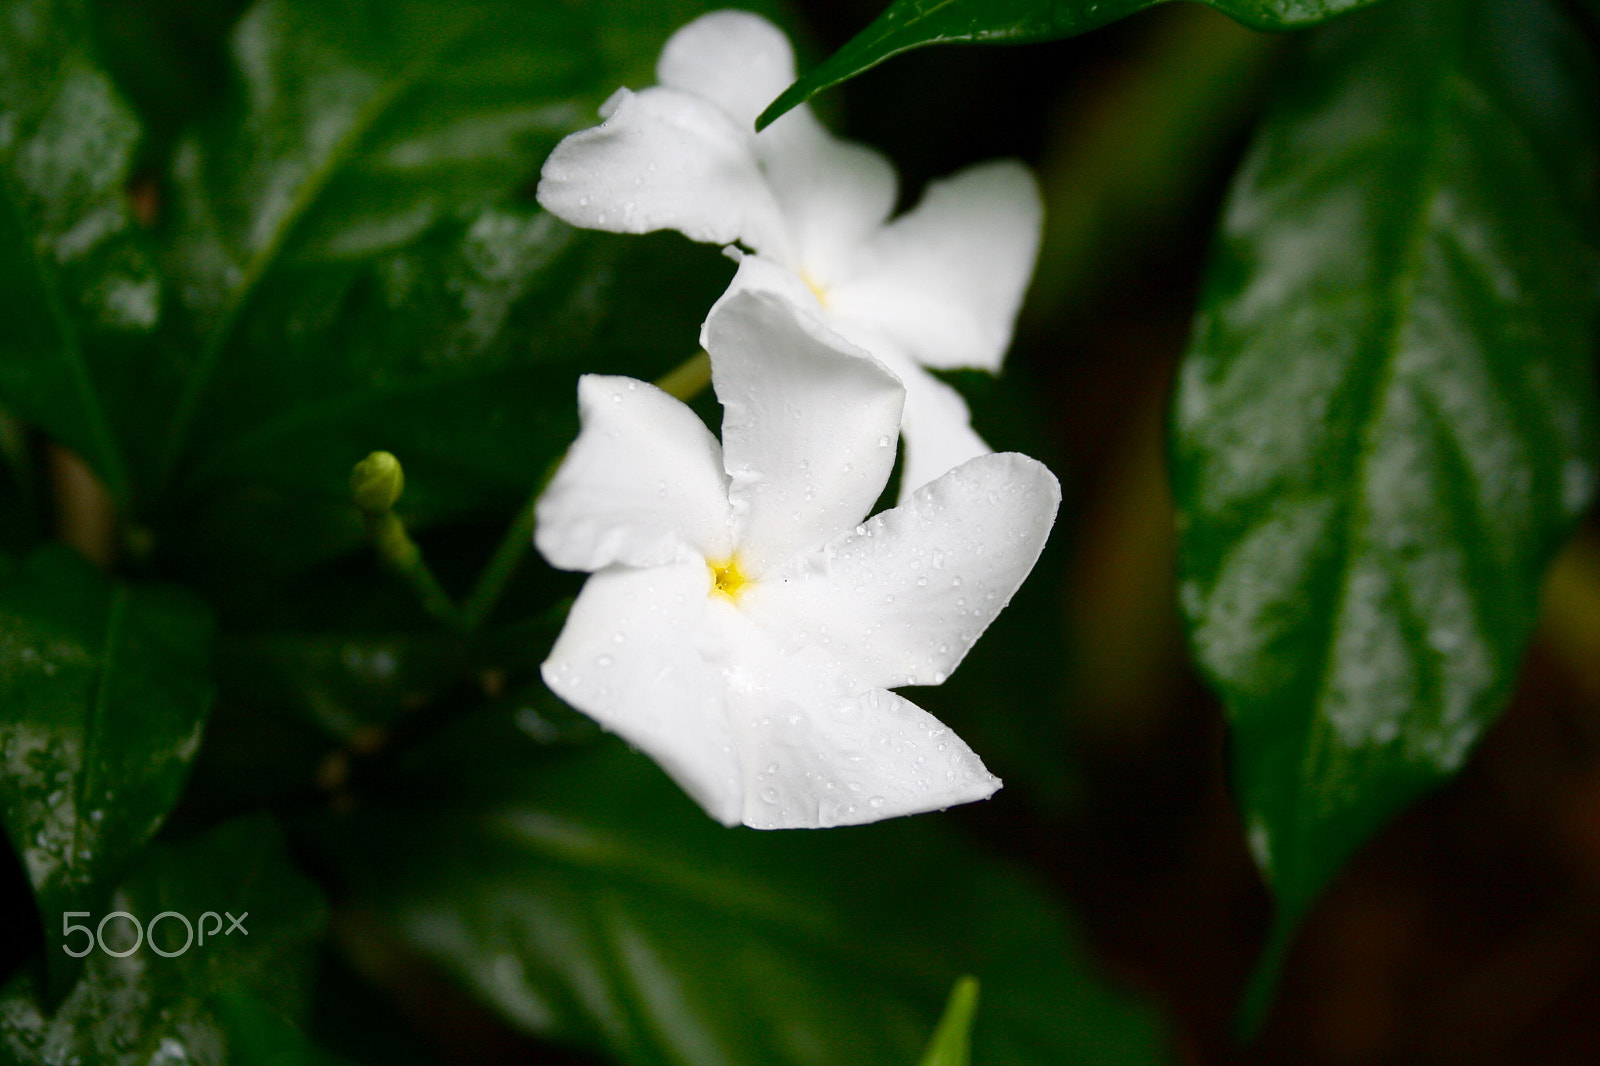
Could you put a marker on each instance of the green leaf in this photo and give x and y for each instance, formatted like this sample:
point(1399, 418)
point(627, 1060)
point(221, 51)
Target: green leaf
point(360, 256)
point(908, 24)
point(235, 997)
point(952, 1040)
point(103, 691)
point(583, 896)
point(1386, 420)
point(82, 298)
point(353, 130)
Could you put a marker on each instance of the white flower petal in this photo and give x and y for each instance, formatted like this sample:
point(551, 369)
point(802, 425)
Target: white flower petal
point(901, 602)
point(737, 60)
point(946, 279)
point(642, 485)
point(937, 427)
point(834, 194)
point(630, 657)
point(809, 426)
point(664, 159)
point(757, 273)
point(811, 764)
point(814, 754)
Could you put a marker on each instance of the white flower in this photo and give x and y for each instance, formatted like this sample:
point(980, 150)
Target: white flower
point(740, 626)
point(939, 286)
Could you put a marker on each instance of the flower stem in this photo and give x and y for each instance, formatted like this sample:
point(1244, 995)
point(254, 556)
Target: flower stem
point(375, 485)
point(502, 566)
point(401, 554)
point(684, 381)
point(688, 378)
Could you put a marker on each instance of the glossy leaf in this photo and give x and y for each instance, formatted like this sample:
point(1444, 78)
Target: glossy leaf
point(103, 691)
point(1386, 421)
point(908, 24)
point(584, 897)
point(237, 997)
point(82, 299)
point(361, 258)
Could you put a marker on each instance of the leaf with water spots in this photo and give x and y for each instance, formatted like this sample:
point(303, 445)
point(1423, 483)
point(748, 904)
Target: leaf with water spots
point(359, 256)
point(1386, 421)
point(104, 687)
point(83, 300)
point(196, 989)
point(581, 894)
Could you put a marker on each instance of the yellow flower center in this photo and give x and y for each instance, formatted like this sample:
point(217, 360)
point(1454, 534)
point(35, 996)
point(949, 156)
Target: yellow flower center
point(726, 578)
point(819, 291)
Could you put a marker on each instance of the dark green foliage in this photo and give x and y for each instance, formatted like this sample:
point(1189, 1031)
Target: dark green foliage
point(237, 997)
point(104, 688)
point(1386, 420)
point(908, 24)
point(588, 899)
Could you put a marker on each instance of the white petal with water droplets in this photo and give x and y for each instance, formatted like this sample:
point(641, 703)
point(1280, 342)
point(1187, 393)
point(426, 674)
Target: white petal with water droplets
point(902, 599)
point(664, 159)
point(946, 279)
point(631, 657)
point(808, 426)
point(642, 485)
point(815, 755)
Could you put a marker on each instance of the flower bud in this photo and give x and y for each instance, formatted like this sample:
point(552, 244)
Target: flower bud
point(376, 483)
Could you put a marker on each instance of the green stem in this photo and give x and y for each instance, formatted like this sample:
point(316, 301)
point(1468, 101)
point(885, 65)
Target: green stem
point(401, 554)
point(688, 378)
point(503, 564)
point(684, 381)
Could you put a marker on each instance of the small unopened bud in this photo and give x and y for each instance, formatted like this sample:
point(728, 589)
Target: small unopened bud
point(376, 482)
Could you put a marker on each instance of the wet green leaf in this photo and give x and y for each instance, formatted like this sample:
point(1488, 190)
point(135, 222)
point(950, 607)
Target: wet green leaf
point(1386, 421)
point(233, 995)
point(104, 688)
point(584, 897)
point(83, 300)
point(361, 258)
point(908, 24)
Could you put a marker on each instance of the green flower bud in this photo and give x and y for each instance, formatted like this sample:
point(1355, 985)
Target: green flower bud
point(376, 482)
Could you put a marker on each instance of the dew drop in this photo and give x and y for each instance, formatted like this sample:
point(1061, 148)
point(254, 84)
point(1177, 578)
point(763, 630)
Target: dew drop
point(603, 660)
point(883, 442)
point(875, 802)
point(770, 795)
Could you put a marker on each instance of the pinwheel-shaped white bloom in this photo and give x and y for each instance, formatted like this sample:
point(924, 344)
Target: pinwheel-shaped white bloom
point(939, 286)
point(740, 626)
